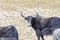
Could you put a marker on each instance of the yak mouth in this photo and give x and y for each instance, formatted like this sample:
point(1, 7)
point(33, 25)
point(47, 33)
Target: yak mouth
point(29, 24)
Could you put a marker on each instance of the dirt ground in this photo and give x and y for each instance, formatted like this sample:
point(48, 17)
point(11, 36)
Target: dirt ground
point(10, 14)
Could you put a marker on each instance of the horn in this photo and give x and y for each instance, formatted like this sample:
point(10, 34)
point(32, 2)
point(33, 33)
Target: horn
point(22, 15)
point(36, 12)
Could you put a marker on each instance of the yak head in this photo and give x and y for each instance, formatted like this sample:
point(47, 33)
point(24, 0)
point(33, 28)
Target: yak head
point(29, 18)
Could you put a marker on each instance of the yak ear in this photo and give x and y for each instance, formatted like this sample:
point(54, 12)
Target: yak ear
point(25, 18)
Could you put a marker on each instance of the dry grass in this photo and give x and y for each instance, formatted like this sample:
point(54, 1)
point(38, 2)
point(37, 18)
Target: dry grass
point(10, 14)
point(17, 4)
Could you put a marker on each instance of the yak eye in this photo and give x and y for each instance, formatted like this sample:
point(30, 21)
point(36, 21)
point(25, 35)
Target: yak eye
point(25, 18)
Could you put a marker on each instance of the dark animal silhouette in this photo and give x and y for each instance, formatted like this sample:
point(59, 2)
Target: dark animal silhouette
point(42, 25)
point(8, 32)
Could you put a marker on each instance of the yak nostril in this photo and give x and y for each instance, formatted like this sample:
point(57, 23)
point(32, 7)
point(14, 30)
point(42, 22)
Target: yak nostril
point(29, 25)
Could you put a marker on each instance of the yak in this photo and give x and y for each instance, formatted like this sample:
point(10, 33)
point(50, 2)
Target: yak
point(56, 34)
point(42, 25)
point(8, 32)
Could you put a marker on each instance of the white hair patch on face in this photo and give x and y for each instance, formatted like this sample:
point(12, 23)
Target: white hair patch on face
point(29, 19)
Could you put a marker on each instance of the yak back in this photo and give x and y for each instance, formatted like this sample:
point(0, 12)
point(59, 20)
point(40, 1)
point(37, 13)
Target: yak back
point(53, 23)
point(39, 22)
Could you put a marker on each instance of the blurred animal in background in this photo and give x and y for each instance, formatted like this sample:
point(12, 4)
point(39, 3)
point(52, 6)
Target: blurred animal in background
point(56, 34)
point(8, 32)
point(41, 25)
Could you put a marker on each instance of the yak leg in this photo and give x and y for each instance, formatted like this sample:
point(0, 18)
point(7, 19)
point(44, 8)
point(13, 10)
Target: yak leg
point(42, 37)
point(38, 37)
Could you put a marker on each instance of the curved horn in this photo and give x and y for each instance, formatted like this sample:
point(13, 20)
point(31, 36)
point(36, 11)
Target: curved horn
point(22, 15)
point(36, 12)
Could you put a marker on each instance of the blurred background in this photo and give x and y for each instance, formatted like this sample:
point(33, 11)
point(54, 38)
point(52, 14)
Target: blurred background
point(10, 14)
